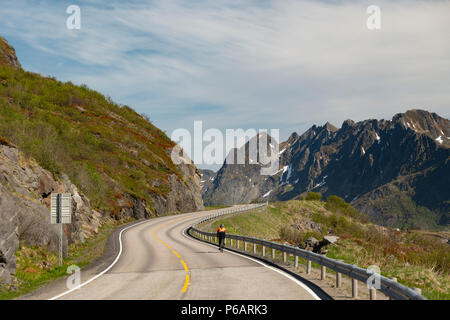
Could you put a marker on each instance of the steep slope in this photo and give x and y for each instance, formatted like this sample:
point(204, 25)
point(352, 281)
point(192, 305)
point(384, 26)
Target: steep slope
point(59, 137)
point(207, 179)
point(116, 156)
point(395, 171)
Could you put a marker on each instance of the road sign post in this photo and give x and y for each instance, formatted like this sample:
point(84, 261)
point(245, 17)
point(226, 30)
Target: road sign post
point(60, 212)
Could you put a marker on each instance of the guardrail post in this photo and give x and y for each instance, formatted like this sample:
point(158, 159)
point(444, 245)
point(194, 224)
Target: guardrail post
point(254, 248)
point(273, 254)
point(395, 280)
point(338, 279)
point(263, 251)
point(373, 294)
point(237, 243)
point(245, 245)
point(296, 262)
point(308, 267)
point(323, 273)
point(354, 288)
point(284, 257)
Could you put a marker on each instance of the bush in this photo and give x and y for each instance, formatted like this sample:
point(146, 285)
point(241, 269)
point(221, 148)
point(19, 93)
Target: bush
point(313, 196)
point(338, 205)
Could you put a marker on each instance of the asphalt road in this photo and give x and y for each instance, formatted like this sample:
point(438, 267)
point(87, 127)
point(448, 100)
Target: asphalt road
point(158, 261)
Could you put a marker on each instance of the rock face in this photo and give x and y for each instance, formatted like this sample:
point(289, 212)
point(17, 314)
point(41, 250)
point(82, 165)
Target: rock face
point(240, 183)
point(9, 237)
point(8, 54)
point(395, 171)
point(207, 179)
point(24, 207)
point(184, 195)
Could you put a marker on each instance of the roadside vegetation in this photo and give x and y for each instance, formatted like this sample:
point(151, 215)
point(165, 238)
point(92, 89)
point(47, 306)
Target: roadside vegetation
point(106, 149)
point(416, 258)
point(37, 267)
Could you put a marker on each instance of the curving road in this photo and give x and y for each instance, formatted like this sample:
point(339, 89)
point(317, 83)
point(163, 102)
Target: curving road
point(158, 261)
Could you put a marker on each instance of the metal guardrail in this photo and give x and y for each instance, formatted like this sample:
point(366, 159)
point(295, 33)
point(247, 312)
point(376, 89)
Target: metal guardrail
point(389, 287)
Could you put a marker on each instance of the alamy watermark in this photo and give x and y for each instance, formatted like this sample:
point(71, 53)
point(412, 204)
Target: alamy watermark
point(74, 280)
point(74, 20)
point(374, 20)
point(374, 281)
point(262, 147)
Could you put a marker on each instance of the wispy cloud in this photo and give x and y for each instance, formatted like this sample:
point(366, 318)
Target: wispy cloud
point(276, 64)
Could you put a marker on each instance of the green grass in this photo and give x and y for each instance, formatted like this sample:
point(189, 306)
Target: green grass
point(37, 267)
point(257, 223)
point(415, 258)
point(96, 142)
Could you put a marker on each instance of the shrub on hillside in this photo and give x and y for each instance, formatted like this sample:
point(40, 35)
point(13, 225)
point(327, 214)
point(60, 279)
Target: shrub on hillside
point(338, 205)
point(313, 196)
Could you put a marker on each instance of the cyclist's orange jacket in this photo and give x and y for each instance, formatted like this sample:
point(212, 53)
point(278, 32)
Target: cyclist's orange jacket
point(221, 231)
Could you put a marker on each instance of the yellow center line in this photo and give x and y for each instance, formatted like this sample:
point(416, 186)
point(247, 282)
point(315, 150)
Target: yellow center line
point(176, 253)
point(185, 266)
point(186, 282)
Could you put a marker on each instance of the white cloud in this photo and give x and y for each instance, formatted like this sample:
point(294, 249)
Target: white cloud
point(276, 64)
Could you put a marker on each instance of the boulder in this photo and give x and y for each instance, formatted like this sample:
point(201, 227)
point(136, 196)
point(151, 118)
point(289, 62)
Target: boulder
point(311, 241)
point(330, 239)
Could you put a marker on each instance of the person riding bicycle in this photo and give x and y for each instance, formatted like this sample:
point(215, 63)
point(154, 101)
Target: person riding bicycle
point(221, 232)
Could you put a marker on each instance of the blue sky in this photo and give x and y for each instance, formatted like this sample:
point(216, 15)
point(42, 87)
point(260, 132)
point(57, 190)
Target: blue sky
point(243, 64)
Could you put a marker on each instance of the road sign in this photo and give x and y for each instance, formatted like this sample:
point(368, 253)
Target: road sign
point(60, 212)
point(61, 208)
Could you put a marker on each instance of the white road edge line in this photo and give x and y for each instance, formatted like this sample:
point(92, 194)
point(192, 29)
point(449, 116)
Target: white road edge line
point(301, 284)
point(104, 271)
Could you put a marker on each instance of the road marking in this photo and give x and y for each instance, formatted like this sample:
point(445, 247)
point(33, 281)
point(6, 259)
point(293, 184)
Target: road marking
point(176, 253)
point(185, 266)
point(301, 284)
point(188, 215)
point(104, 271)
point(186, 282)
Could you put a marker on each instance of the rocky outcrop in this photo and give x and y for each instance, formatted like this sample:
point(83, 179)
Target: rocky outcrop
point(8, 54)
point(9, 237)
point(25, 190)
point(184, 194)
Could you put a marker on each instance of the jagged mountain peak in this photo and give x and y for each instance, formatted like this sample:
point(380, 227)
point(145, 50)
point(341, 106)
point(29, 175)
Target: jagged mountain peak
point(424, 122)
point(328, 126)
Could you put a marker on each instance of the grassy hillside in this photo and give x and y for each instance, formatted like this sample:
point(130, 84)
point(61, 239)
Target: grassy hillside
point(105, 149)
point(415, 258)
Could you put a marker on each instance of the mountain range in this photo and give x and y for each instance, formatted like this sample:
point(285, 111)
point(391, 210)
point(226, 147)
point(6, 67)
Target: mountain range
point(396, 171)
